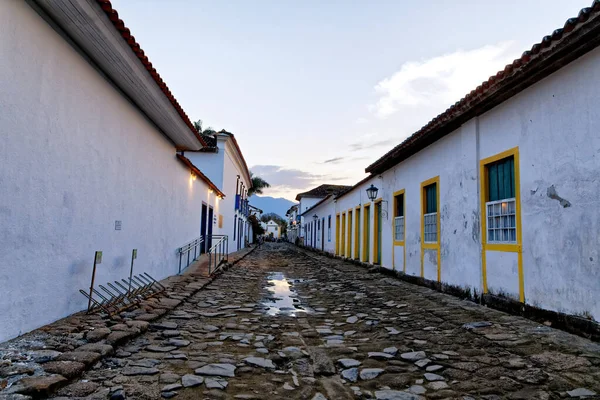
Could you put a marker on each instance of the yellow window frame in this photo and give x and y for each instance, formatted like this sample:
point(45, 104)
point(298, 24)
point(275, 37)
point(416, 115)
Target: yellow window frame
point(399, 242)
point(376, 238)
point(436, 245)
point(337, 234)
point(508, 247)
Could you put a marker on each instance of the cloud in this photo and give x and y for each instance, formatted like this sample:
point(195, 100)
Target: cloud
point(287, 180)
point(361, 121)
point(335, 160)
point(371, 145)
point(440, 81)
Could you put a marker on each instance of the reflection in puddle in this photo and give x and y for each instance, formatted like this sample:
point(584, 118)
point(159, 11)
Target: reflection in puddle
point(282, 299)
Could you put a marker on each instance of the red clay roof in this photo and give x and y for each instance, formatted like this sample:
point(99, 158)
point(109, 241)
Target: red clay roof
point(196, 171)
point(323, 191)
point(130, 39)
point(578, 36)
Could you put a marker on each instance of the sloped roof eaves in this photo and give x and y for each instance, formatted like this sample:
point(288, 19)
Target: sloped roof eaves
point(112, 14)
point(195, 169)
point(578, 36)
point(237, 147)
point(322, 191)
point(317, 205)
point(354, 187)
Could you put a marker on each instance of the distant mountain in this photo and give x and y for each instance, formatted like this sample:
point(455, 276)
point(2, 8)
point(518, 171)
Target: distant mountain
point(268, 204)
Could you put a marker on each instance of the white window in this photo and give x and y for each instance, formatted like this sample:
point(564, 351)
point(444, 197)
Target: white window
point(431, 227)
point(501, 221)
point(399, 229)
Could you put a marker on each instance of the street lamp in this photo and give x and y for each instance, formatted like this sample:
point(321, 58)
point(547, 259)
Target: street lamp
point(372, 192)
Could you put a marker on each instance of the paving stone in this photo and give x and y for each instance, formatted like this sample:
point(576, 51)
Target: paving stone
point(190, 380)
point(259, 362)
point(160, 349)
point(348, 362)
point(163, 326)
point(217, 370)
point(68, 369)
point(103, 349)
point(413, 355)
point(322, 364)
point(581, 392)
point(395, 395)
point(437, 385)
point(370, 373)
point(380, 356)
point(391, 350)
point(434, 377)
point(350, 374)
point(171, 387)
point(38, 386)
point(84, 357)
point(129, 371)
point(216, 383)
point(97, 334)
point(476, 325)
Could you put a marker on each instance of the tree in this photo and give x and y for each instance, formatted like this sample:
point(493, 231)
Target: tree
point(207, 131)
point(258, 184)
point(257, 229)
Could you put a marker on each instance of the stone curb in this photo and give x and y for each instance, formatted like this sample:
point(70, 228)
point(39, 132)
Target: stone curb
point(569, 323)
point(93, 338)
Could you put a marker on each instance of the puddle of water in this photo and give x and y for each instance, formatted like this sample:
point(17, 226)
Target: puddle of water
point(283, 299)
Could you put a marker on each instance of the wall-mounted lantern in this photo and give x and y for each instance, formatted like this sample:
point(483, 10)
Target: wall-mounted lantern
point(372, 192)
point(315, 217)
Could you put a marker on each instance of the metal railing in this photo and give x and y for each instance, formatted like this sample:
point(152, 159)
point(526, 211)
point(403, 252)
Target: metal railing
point(218, 253)
point(196, 246)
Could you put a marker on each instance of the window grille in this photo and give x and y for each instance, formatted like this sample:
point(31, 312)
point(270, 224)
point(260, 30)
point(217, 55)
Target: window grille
point(502, 221)
point(431, 227)
point(399, 229)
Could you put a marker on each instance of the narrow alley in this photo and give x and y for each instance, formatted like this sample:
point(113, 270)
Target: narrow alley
point(286, 323)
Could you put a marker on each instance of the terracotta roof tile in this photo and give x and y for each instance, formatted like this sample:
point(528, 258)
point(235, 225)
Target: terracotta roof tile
point(323, 191)
point(578, 36)
point(135, 47)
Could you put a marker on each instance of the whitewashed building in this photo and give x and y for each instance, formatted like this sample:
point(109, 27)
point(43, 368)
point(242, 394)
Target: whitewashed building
point(273, 229)
point(93, 157)
point(309, 199)
point(498, 195)
point(293, 223)
point(223, 162)
point(321, 225)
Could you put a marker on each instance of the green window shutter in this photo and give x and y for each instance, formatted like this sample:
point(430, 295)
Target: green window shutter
point(399, 205)
point(431, 198)
point(501, 180)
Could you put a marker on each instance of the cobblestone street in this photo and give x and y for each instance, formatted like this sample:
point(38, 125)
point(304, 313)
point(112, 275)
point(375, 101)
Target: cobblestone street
point(287, 324)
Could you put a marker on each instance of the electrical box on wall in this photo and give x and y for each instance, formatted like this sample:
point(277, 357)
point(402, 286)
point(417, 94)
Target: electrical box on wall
point(118, 225)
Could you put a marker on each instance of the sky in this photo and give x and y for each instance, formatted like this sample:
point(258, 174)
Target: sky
point(317, 90)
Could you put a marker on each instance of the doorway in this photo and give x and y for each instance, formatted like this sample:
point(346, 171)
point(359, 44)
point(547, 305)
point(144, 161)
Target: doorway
point(377, 244)
point(367, 235)
point(209, 228)
point(322, 234)
point(350, 255)
point(203, 228)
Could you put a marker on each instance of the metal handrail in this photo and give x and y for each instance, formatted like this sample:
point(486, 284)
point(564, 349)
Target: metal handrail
point(187, 248)
point(218, 253)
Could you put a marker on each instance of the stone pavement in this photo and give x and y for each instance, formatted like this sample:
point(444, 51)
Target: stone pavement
point(287, 324)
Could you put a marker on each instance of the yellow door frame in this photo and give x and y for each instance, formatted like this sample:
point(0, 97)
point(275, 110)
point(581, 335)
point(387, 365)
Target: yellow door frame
point(349, 237)
point(512, 248)
point(376, 237)
point(436, 245)
point(343, 239)
point(356, 235)
point(399, 242)
point(366, 223)
point(337, 234)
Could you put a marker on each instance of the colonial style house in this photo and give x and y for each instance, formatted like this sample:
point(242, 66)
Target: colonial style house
point(309, 199)
point(223, 162)
point(498, 194)
point(273, 229)
point(293, 223)
point(96, 155)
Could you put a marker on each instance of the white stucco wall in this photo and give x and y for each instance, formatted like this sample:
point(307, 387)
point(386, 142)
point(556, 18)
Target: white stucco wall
point(554, 125)
point(324, 211)
point(74, 157)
